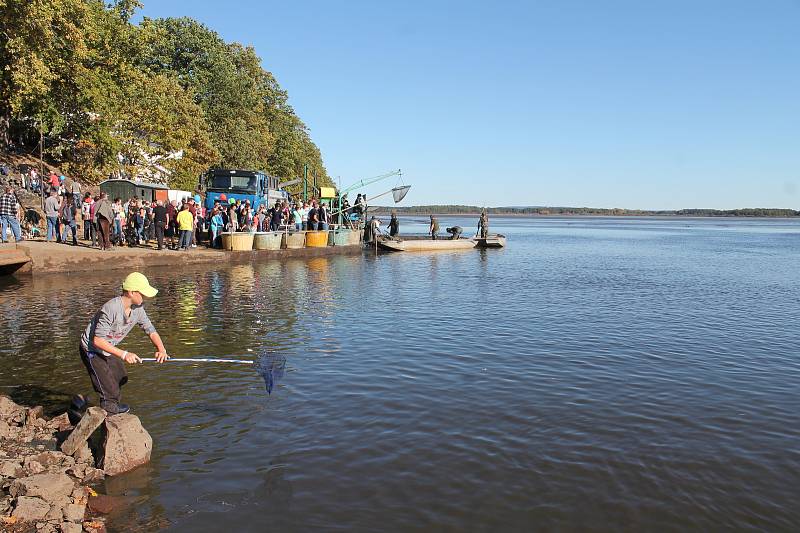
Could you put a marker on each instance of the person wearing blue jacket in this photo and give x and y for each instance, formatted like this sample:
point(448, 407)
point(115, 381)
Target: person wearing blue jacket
point(217, 223)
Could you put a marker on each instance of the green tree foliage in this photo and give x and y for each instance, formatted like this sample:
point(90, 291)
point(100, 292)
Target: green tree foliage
point(110, 96)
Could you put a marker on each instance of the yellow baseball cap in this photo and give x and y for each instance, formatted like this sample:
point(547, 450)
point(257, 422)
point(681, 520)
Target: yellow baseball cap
point(136, 281)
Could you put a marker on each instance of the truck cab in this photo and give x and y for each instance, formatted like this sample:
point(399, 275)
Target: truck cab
point(255, 186)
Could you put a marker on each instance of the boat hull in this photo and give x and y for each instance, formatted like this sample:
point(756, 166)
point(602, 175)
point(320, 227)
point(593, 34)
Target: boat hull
point(426, 245)
point(417, 243)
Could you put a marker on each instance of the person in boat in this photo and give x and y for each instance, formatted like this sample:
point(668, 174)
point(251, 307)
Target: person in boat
point(372, 230)
point(483, 224)
point(434, 228)
point(455, 232)
point(394, 225)
point(109, 326)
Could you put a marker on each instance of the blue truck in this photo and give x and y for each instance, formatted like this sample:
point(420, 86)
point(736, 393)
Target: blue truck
point(258, 187)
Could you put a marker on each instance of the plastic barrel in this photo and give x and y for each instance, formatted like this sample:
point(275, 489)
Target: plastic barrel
point(267, 240)
point(242, 242)
point(292, 241)
point(226, 241)
point(316, 239)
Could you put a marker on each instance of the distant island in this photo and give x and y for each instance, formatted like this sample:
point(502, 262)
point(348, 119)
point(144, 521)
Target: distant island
point(582, 211)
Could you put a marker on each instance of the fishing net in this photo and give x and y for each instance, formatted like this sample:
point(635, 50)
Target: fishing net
point(271, 367)
point(400, 192)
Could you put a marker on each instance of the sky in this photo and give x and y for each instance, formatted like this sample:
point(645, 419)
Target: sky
point(664, 104)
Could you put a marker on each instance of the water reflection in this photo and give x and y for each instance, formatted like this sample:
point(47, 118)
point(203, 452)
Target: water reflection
point(477, 390)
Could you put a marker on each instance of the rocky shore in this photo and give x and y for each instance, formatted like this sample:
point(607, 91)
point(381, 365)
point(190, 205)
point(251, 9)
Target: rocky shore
point(48, 467)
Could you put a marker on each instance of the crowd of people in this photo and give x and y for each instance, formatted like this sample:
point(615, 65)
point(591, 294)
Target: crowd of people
point(176, 225)
point(71, 215)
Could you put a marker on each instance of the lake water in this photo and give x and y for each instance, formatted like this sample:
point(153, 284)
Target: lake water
point(598, 374)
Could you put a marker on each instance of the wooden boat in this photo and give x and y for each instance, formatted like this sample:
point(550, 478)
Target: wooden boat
point(423, 243)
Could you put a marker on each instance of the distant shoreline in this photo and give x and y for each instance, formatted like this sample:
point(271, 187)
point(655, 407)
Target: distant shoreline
point(546, 212)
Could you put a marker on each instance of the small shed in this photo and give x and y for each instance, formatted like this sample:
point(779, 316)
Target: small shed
point(125, 189)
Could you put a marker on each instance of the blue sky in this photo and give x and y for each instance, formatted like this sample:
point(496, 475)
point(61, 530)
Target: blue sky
point(652, 105)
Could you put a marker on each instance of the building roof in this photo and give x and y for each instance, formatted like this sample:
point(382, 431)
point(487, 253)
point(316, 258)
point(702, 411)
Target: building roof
point(144, 184)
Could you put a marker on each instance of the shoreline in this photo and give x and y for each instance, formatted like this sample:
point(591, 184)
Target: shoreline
point(48, 258)
point(587, 215)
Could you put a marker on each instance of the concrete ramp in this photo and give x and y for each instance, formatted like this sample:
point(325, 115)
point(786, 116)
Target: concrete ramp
point(13, 259)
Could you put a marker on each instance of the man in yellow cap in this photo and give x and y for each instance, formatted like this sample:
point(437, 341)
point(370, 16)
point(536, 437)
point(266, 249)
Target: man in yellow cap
point(108, 327)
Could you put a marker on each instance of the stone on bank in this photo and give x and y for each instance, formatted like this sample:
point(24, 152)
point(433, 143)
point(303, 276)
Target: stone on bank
point(41, 485)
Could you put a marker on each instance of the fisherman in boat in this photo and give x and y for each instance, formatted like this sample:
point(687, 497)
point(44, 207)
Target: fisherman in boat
point(455, 232)
point(109, 326)
point(372, 230)
point(483, 224)
point(394, 225)
point(434, 228)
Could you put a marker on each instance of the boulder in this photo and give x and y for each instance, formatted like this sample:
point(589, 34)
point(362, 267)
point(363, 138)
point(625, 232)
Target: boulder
point(69, 527)
point(50, 487)
point(51, 460)
point(61, 422)
point(93, 475)
point(5, 430)
point(127, 445)
point(35, 413)
point(74, 512)
point(10, 410)
point(91, 421)
point(33, 467)
point(83, 455)
point(55, 513)
point(11, 468)
point(29, 509)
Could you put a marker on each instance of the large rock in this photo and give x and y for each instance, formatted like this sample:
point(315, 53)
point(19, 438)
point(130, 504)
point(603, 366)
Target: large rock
point(61, 422)
point(51, 460)
point(83, 455)
point(29, 509)
point(49, 487)
point(10, 411)
point(91, 420)
point(11, 468)
point(74, 512)
point(128, 444)
point(69, 527)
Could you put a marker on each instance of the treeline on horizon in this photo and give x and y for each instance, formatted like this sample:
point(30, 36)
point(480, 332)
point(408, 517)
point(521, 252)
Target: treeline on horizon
point(471, 209)
point(111, 96)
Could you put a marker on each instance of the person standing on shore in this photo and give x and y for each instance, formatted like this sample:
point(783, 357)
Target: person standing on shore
point(105, 216)
point(297, 218)
point(172, 223)
point(109, 326)
point(68, 220)
point(161, 220)
point(217, 225)
point(312, 217)
point(233, 216)
point(8, 214)
point(75, 189)
point(322, 215)
point(185, 226)
point(51, 206)
point(434, 228)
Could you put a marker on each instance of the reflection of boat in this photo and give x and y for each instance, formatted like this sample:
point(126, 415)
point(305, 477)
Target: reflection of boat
point(423, 243)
